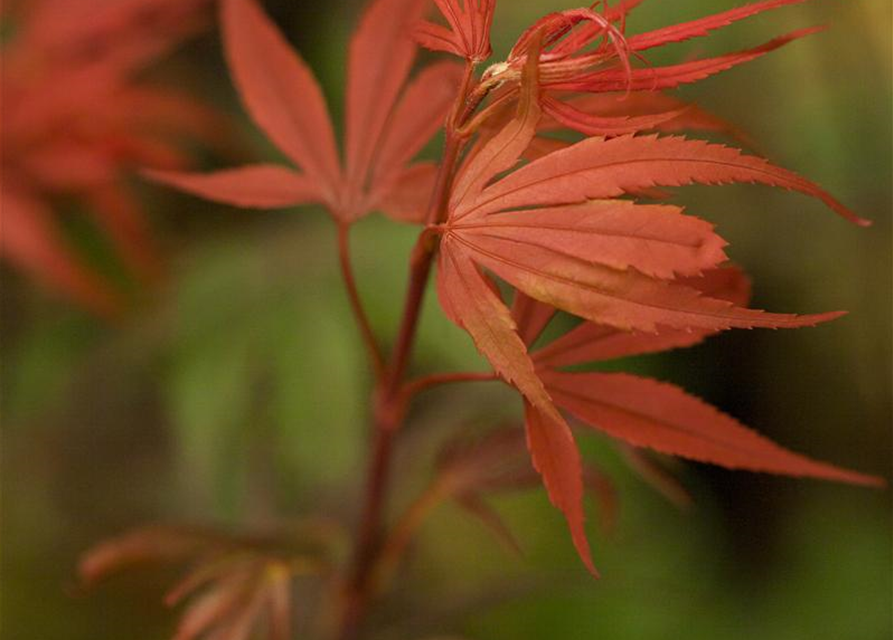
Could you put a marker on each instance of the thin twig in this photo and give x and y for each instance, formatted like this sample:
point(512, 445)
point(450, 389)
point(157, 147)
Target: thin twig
point(390, 402)
point(356, 303)
point(413, 387)
point(401, 535)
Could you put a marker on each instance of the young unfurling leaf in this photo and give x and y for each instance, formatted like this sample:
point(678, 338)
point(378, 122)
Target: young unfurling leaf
point(468, 35)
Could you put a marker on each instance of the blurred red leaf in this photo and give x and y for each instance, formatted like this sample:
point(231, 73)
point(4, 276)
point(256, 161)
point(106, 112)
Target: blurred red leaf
point(76, 120)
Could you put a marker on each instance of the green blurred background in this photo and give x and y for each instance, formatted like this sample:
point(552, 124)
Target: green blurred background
point(235, 395)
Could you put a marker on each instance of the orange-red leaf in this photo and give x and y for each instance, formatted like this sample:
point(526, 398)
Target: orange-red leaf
point(68, 165)
point(211, 609)
point(624, 299)
point(648, 413)
point(406, 196)
point(690, 117)
point(418, 115)
point(120, 215)
point(468, 35)
point(531, 316)
point(596, 168)
point(262, 186)
point(702, 26)
point(470, 302)
point(599, 125)
point(668, 77)
point(30, 239)
point(590, 342)
point(150, 544)
point(555, 456)
point(657, 240)
point(379, 60)
point(279, 90)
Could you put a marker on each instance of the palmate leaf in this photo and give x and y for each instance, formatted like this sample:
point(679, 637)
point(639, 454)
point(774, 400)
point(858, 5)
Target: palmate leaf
point(415, 119)
point(235, 587)
point(31, 240)
point(279, 90)
point(646, 277)
point(388, 120)
point(597, 168)
point(584, 51)
point(76, 118)
point(623, 299)
point(652, 414)
point(661, 416)
point(471, 303)
point(591, 342)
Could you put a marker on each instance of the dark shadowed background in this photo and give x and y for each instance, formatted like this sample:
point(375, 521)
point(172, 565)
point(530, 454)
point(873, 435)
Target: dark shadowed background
point(234, 395)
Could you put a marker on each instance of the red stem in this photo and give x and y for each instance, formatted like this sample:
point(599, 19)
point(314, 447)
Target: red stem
point(388, 416)
point(426, 382)
point(420, 267)
point(390, 401)
point(356, 303)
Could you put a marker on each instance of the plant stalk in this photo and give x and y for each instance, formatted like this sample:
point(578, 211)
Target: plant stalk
point(390, 401)
point(356, 303)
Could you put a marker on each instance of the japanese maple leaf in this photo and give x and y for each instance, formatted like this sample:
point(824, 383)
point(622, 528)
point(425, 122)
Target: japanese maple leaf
point(136, 31)
point(555, 230)
point(75, 122)
point(648, 413)
point(586, 50)
point(235, 586)
point(387, 119)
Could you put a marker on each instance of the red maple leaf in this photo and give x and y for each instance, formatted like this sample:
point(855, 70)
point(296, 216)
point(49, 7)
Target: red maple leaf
point(388, 120)
point(647, 413)
point(556, 230)
point(235, 585)
point(75, 122)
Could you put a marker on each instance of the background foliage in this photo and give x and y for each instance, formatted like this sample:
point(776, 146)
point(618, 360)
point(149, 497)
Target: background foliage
point(235, 395)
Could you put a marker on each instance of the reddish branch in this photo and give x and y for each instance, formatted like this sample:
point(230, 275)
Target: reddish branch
point(390, 402)
point(356, 303)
